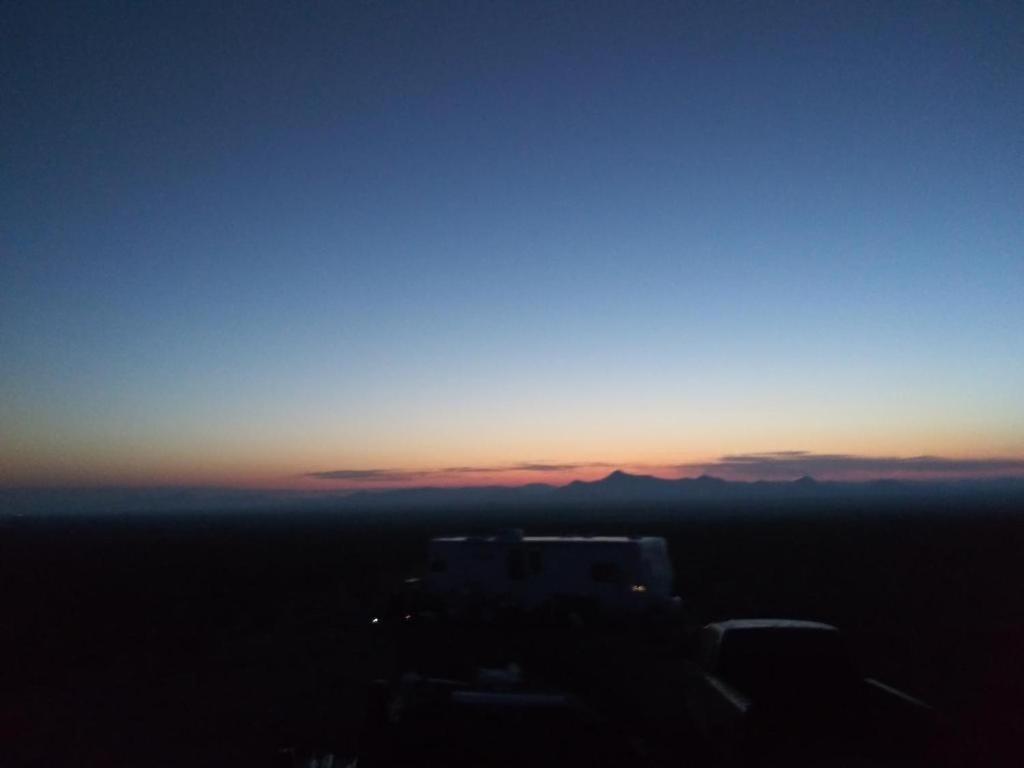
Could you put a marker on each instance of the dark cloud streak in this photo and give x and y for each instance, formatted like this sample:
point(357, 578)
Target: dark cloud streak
point(773, 465)
point(369, 475)
point(401, 475)
point(792, 464)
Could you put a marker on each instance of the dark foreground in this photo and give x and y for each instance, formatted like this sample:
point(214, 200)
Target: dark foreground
point(220, 639)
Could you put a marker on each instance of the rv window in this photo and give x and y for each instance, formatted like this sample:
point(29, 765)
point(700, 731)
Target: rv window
point(536, 561)
point(516, 564)
point(605, 573)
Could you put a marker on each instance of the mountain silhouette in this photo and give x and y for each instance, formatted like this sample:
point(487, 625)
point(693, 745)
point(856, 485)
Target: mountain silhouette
point(622, 489)
point(618, 489)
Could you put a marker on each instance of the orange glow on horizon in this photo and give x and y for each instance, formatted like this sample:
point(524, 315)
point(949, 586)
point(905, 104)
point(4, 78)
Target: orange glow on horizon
point(395, 476)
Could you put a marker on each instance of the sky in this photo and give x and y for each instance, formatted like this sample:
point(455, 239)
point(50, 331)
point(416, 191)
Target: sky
point(335, 245)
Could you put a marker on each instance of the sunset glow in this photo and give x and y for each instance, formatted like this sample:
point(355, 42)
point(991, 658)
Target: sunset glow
point(528, 247)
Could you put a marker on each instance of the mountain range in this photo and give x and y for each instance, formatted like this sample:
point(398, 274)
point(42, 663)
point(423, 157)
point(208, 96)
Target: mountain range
point(618, 489)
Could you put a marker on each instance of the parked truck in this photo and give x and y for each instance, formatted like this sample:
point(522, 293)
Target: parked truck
point(787, 691)
point(498, 719)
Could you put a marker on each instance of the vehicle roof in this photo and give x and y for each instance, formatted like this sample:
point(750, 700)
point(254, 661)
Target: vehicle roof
point(730, 625)
point(547, 539)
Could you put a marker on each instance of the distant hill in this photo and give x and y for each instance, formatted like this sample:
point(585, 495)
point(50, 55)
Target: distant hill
point(619, 489)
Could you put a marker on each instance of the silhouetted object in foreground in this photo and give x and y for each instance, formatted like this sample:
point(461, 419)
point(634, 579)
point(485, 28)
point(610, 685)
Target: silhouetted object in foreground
point(496, 720)
point(773, 689)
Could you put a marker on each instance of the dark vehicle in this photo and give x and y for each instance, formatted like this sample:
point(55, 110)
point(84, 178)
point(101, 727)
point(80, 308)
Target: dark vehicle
point(494, 721)
point(791, 689)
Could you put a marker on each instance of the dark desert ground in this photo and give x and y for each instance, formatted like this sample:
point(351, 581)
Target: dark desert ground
point(218, 639)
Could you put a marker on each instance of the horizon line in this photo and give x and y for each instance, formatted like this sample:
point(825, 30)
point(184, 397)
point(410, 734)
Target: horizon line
point(374, 489)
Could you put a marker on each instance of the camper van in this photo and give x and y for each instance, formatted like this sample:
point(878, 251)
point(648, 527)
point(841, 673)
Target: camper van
point(610, 574)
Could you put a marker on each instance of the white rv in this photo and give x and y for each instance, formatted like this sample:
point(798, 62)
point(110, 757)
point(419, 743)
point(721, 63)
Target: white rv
point(614, 574)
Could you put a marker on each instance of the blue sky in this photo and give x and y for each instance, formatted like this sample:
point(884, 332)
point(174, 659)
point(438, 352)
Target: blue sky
point(245, 243)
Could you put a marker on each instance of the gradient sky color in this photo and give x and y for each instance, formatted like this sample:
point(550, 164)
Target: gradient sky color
point(244, 243)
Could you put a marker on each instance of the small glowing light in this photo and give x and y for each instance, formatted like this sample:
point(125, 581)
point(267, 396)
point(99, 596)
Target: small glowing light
point(375, 620)
point(639, 587)
point(407, 616)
